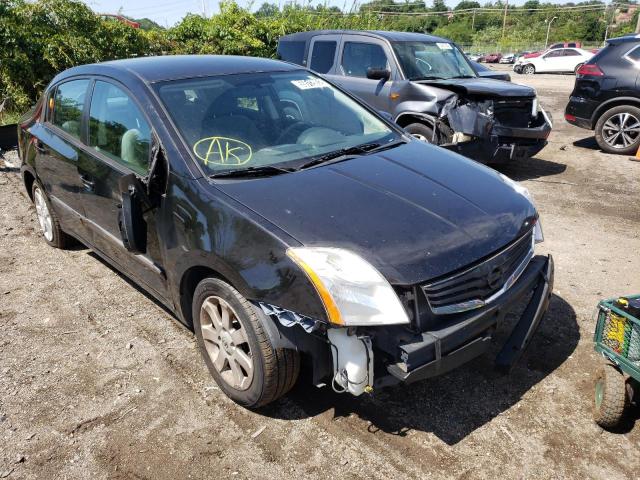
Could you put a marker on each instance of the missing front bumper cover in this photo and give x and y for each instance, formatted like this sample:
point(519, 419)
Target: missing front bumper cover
point(437, 352)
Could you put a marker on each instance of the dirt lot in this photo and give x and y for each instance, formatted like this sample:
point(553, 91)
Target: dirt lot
point(98, 381)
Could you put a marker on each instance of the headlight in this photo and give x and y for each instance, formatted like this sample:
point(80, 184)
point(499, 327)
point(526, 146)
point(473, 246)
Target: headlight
point(352, 290)
point(524, 191)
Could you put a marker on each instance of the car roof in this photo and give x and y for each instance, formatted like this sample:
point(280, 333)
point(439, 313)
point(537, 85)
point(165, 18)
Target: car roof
point(380, 34)
point(172, 67)
point(625, 39)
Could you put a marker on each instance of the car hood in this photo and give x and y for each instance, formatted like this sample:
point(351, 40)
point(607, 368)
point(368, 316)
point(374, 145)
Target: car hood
point(485, 87)
point(416, 211)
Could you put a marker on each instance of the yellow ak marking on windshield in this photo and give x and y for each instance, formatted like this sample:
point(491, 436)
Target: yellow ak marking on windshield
point(222, 151)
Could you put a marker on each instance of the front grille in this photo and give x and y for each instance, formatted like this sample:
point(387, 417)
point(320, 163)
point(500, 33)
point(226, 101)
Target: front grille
point(514, 112)
point(482, 283)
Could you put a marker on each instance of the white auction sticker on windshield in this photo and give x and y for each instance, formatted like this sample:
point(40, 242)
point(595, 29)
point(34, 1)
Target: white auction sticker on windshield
point(444, 46)
point(307, 84)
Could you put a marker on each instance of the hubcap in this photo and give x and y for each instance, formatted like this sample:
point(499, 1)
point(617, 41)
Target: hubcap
point(420, 137)
point(226, 342)
point(529, 70)
point(621, 130)
point(599, 393)
point(44, 216)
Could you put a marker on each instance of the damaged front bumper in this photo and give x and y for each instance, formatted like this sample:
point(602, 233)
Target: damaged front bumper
point(494, 142)
point(464, 336)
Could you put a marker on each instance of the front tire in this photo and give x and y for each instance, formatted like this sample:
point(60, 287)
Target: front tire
point(610, 397)
point(529, 69)
point(618, 130)
point(237, 349)
point(47, 219)
point(420, 131)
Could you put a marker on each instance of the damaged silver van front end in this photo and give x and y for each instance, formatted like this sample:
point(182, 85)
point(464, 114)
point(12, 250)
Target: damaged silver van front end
point(478, 125)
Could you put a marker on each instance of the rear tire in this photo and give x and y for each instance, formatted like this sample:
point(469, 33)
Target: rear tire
point(624, 119)
point(420, 131)
point(610, 398)
point(47, 218)
point(236, 347)
point(528, 69)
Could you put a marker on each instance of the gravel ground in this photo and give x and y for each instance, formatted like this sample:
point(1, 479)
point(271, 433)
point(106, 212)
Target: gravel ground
point(98, 381)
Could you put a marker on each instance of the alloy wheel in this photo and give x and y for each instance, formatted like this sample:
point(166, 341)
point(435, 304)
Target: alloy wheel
point(621, 130)
point(226, 342)
point(420, 137)
point(43, 214)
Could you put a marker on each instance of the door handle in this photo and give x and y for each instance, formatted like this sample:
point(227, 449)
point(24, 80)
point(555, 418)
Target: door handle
point(87, 182)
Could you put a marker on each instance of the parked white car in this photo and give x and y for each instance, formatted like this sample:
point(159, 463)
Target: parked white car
point(559, 60)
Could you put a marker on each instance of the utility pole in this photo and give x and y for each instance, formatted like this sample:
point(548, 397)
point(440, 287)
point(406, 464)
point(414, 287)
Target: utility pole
point(504, 20)
point(204, 10)
point(473, 20)
point(638, 22)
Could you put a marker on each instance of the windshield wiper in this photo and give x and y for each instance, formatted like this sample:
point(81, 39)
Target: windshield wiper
point(262, 171)
point(339, 154)
point(432, 77)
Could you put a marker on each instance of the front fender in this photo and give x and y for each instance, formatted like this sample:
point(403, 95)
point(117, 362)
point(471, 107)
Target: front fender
point(207, 229)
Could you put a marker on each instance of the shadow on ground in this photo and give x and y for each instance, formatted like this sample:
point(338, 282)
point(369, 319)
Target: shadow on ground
point(530, 169)
point(454, 405)
point(587, 142)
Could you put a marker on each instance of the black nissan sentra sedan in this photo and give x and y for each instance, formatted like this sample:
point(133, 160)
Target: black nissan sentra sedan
point(284, 221)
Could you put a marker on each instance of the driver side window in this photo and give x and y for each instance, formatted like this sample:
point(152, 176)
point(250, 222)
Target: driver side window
point(358, 57)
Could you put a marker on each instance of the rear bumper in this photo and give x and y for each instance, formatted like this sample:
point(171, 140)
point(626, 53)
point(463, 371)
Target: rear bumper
point(467, 335)
point(579, 112)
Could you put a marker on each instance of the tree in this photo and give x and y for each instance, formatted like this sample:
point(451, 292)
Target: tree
point(268, 10)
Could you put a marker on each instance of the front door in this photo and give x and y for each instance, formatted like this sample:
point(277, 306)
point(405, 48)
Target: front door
point(58, 141)
point(357, 56)
point(118, 144)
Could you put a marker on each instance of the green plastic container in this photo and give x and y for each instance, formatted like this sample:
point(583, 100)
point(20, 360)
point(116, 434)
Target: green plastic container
point(617, 336)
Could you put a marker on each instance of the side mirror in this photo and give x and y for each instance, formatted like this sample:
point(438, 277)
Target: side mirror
point(131, 222)
point(378, 73)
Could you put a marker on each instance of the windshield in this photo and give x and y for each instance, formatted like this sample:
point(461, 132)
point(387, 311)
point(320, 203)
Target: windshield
point(432, 60)
point(262, 120)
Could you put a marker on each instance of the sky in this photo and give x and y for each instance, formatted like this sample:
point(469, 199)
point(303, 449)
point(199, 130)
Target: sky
point(168, 12)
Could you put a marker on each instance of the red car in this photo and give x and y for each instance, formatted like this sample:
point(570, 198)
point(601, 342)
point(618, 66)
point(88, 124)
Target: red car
point(491, 58)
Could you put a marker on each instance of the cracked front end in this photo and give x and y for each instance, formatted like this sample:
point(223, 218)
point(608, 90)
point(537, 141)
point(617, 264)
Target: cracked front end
point(496, 130)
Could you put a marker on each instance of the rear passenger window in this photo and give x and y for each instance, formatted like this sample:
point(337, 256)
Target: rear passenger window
point(568, 52)
point(118, 129)
point(358, 57)
point(322, 56)
point(634, 54)
point(67, 106)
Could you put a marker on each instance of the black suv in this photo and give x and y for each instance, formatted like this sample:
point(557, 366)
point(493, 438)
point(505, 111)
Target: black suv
point(606, 97)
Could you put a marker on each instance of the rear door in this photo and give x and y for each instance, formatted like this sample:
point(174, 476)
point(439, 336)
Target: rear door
point(357, 54)
point(572, 58)
point(58, 141)
point(323, 51)
point(119, 139)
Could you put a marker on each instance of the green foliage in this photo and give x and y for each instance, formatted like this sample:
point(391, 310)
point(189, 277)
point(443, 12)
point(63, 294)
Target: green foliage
point(39, 38)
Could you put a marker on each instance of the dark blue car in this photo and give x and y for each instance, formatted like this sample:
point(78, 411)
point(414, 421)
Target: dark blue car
point(284, 221)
